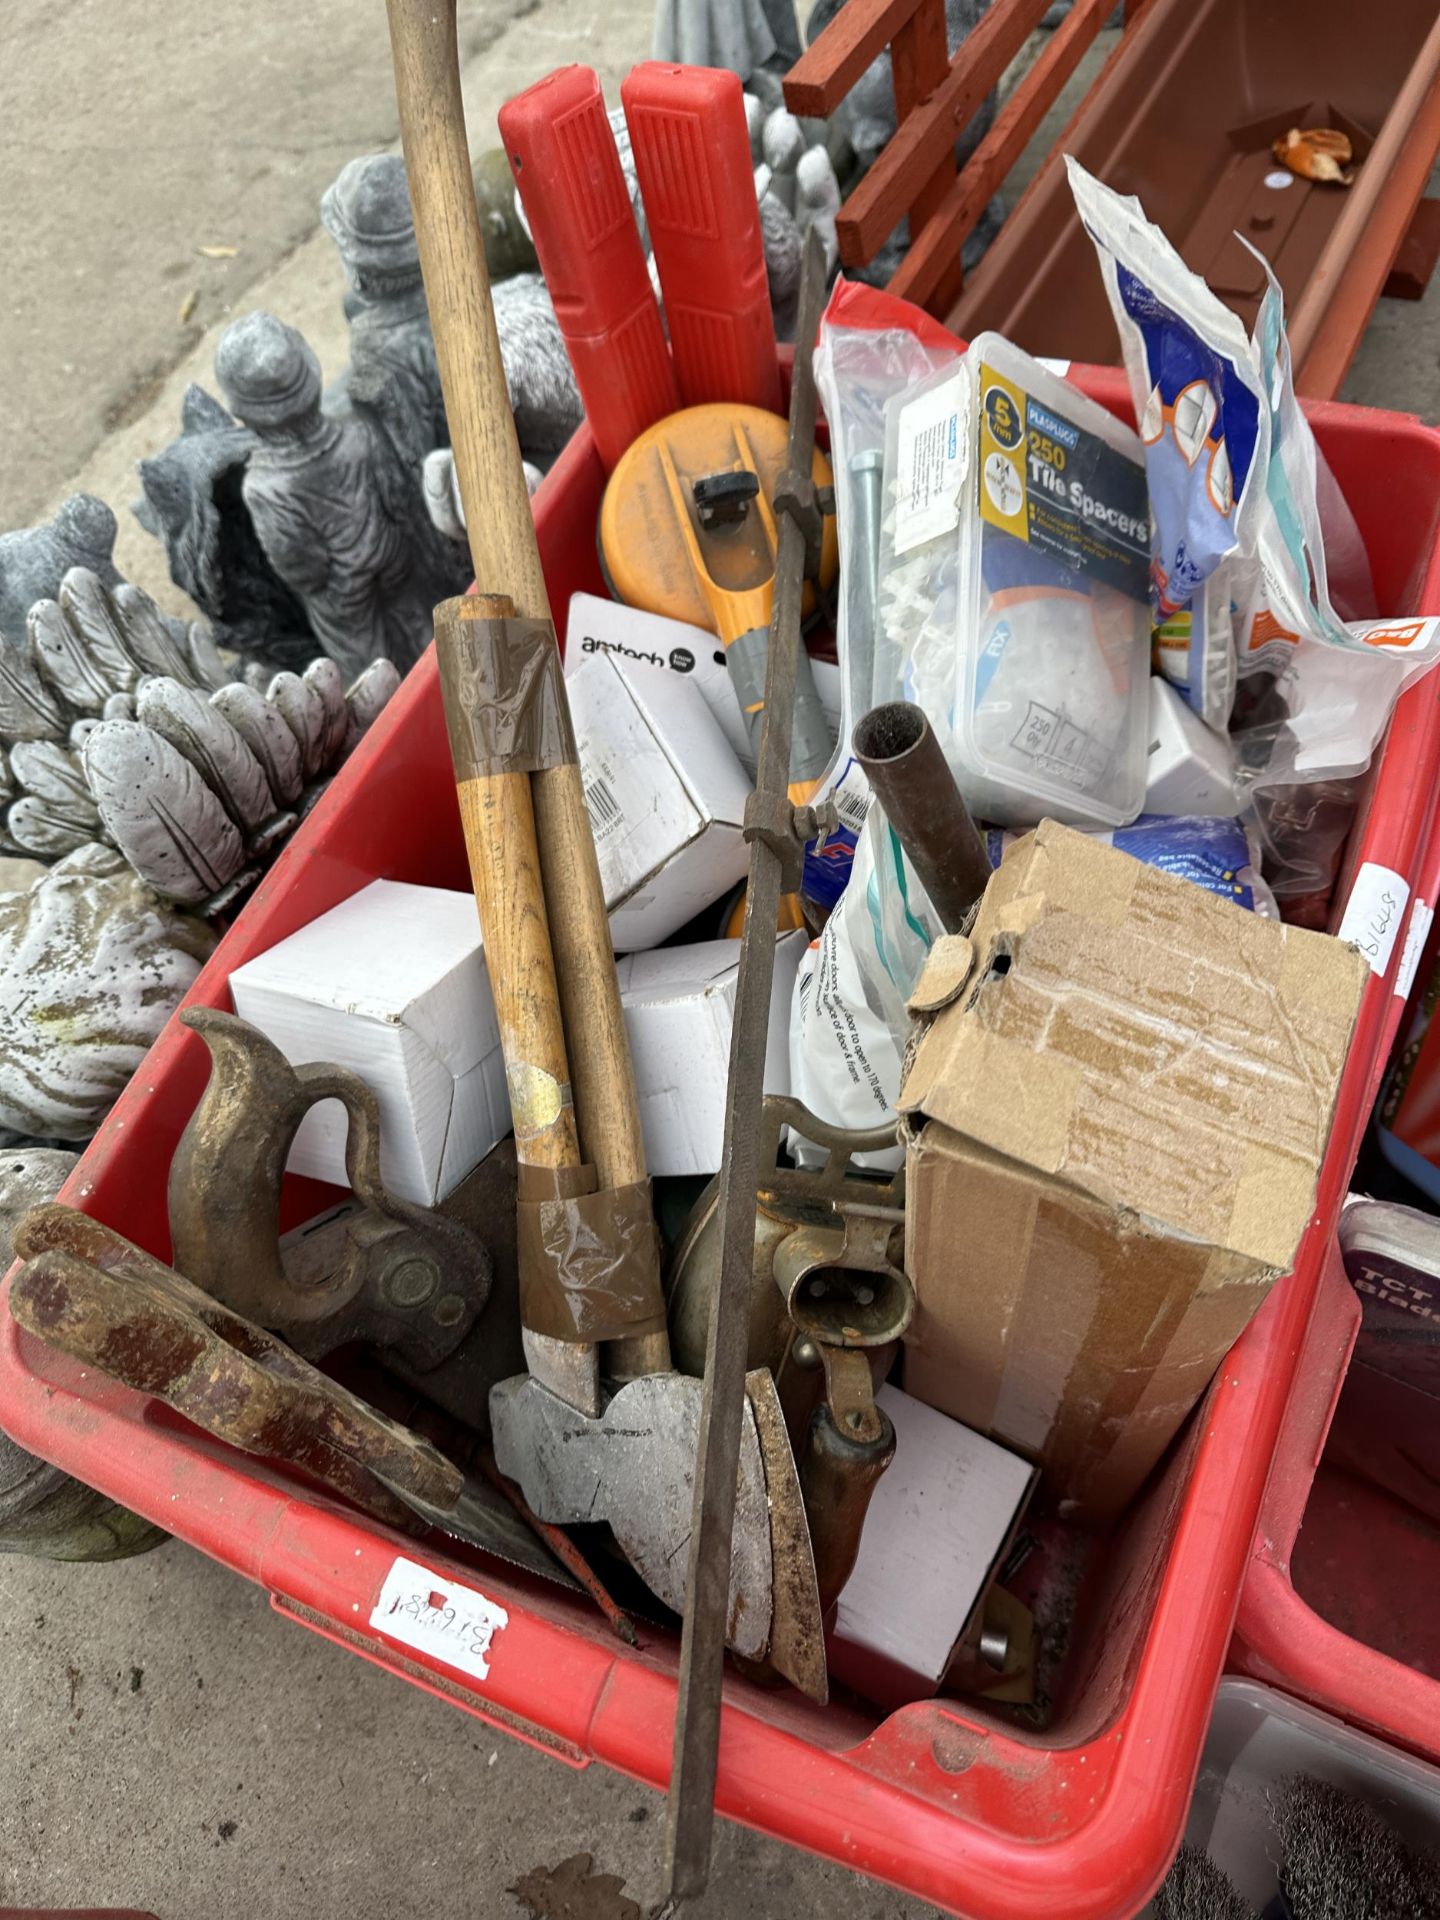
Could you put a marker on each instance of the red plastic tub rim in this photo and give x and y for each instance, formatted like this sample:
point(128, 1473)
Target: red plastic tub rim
point(934, 1800)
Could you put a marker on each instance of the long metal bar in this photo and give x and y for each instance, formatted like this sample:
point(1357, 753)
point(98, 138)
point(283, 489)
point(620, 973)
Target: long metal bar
point(702, 1645)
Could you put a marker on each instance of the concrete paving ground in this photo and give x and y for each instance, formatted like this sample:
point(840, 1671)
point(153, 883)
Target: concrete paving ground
point(169, 1742)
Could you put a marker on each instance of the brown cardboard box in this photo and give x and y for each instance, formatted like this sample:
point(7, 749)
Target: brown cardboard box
point(1115, 1111)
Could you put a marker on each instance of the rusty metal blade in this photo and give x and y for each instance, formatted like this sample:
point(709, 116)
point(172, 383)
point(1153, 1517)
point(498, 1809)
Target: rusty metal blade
point(88, 1292)
point(797, 1628)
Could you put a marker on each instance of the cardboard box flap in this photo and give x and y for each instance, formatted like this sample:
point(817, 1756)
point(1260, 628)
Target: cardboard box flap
point(1147, 1042)
point(946, 970)
point(675, 711)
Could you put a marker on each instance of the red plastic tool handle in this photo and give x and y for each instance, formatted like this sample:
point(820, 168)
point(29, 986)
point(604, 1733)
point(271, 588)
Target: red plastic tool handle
point(692, 153)
point(562, 153)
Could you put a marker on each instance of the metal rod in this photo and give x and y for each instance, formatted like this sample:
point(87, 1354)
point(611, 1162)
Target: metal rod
point(707, 1580)
point(911, 779)
point(862, 646)
point(564, 1550)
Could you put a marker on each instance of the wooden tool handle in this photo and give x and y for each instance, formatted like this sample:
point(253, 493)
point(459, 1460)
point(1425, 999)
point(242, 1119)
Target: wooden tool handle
point(605, 1096)
point(503, 552)
point(457, 287)
point(499, 823)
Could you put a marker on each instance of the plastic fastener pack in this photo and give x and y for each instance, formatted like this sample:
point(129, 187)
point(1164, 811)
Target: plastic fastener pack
point(1014, 587)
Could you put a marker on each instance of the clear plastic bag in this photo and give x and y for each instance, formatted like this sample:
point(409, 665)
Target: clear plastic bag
point(849, 1022)
point(858, 368)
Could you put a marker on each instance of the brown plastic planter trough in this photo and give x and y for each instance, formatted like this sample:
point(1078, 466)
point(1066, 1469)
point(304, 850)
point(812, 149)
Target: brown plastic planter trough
point(1183, 114)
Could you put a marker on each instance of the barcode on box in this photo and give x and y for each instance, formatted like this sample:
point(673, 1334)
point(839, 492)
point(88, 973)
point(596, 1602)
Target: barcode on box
point(852, 808)
point(602, 807)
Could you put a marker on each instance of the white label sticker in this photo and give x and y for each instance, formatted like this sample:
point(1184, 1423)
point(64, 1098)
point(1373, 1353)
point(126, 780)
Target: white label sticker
point(931, 455)
point(1416, 934)
point(438, 1616)
point(1373, 913)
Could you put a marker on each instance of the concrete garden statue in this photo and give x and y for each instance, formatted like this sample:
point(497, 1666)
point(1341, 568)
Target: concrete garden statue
point(337, 511)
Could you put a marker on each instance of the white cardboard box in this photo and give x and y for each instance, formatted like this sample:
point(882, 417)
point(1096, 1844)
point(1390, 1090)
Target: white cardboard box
point(939, 1519)
point(650, 643)
point(1190, 768)
point(679, 1012)
point(392, 984)
point(666, 797)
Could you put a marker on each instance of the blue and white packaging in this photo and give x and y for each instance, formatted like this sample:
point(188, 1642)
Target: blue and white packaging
point(1237, 489)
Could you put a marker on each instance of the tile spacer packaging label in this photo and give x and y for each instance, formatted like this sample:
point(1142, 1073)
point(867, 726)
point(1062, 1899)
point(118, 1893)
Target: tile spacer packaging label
point(1061, 489)
point(932, 453)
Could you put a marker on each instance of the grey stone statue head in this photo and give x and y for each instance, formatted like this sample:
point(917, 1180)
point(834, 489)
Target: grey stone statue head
point(269, 374)
point(366, 212)
point(34, 560)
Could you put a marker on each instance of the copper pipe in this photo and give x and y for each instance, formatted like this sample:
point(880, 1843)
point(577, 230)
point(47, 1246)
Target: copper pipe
point(910, 778)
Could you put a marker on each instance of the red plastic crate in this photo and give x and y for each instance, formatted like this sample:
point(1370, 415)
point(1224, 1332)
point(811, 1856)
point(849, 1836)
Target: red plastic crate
point(941, 1799)
point(1338, 1605)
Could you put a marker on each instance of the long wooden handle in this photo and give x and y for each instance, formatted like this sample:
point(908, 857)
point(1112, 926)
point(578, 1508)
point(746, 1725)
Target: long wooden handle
point(605, 1096)
point(505, 557)
point(457, 287)
point(498, 817)
point(499, 823)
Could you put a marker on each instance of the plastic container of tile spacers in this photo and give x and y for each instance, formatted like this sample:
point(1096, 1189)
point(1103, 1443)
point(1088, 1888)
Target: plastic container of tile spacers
point(947, 1800)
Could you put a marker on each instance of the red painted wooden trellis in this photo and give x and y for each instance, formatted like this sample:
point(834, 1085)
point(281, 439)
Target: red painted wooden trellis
point(935, 98)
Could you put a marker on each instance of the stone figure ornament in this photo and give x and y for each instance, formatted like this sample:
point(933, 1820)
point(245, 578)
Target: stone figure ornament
point(34, 560)
point(196, 776)
point(750, 37)
point(91, 967)
point(297, 521)
point(81, 657)
point(198, 794)
point(339, 513)
point(393, 371)
point(442, 492)
point(193, 500)
point(784, 250)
